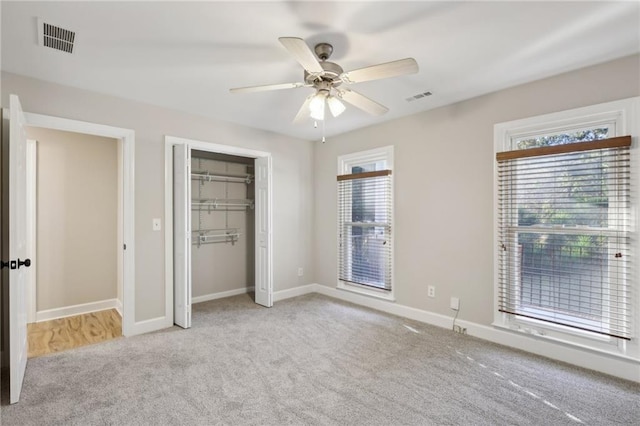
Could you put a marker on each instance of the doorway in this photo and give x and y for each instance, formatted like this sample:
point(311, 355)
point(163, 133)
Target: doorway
point(187, 229)
point(123, 139)
point(75, 284)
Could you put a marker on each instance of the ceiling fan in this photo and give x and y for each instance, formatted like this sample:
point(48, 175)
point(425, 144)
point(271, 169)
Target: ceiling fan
point(327, 78)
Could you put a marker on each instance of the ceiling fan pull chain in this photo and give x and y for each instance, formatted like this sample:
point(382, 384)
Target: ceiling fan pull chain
point(323, 139)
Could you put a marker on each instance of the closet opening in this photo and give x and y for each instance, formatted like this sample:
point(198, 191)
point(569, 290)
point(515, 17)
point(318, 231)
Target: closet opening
point(218, 210)
point(222, 225)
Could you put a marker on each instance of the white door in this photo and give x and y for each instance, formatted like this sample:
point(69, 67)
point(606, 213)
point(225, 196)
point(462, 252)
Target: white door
point(31, 193)
point(18, 249)
point(263, 273)
point(182, 235)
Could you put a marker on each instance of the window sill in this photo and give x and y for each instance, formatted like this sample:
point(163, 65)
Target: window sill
point(587, 341)
point(545, 328)
point(365, 291)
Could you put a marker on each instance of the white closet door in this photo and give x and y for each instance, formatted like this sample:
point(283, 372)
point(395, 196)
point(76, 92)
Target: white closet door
point(182, 235)
point(18, 248)
point(263, 273)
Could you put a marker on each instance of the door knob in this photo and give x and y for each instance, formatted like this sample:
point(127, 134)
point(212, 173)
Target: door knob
point(13, 264)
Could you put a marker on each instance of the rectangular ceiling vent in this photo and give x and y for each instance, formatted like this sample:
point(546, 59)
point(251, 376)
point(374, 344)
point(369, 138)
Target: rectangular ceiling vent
point(418, 96)
point(55, 37)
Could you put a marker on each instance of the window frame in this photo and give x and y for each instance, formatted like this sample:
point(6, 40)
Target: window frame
point(621, 116)
point(345, 164)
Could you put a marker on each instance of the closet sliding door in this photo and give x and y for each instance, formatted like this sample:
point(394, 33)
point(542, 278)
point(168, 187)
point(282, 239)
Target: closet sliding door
point(263, 272)
point(182, 235)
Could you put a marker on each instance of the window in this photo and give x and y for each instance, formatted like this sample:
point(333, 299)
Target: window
point(564, 243)
point(365, 222)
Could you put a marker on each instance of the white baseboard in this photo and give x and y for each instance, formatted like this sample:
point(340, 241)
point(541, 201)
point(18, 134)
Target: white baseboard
point(386, 306)
point(84, 308)
point(119, 307)
point(221, 295)
point(615, 365)
point(293, 292)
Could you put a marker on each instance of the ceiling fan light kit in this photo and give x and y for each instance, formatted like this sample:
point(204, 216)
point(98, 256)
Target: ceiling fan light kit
point(316, 106)
point(326, 77)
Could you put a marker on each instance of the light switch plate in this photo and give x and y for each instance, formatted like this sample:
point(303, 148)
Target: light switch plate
point(157, 224)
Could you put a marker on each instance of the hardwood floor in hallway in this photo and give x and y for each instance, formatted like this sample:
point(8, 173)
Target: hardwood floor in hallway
point(71, 332)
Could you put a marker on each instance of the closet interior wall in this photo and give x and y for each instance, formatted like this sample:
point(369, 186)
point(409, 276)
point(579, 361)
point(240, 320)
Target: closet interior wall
point(222, 223)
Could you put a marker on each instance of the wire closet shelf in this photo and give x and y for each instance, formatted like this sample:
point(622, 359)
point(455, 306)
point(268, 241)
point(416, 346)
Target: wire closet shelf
point(213, 235)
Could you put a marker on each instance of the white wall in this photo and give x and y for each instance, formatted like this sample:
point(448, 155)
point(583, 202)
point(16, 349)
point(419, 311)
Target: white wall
point(77, 199)
point(292, 176)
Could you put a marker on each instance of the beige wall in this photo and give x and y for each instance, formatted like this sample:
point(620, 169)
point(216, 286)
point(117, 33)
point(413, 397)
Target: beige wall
point(77, 199)
point(292, 177)
point(443, 177)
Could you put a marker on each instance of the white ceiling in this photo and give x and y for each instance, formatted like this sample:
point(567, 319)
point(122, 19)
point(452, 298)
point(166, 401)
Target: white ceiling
point(186, 56)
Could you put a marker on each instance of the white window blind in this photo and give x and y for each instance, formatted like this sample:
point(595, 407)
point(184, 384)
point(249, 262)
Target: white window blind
point(364, 224)
point(564, 241)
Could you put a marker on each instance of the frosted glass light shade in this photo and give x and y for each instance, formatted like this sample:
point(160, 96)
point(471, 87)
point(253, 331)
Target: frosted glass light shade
point(316, 107)
point(335, 106)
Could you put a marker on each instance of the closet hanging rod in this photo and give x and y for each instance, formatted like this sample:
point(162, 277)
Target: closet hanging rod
point(215, 203)
point(217, 235)
point(227, 238)
point(223, 236)
point(216, 231)
point(221, 177)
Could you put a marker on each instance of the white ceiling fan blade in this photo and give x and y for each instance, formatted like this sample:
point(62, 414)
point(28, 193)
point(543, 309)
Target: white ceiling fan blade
point(266, 87)
point(362, 102)
point(301, 52)
point(377, 72)
point(303, 112)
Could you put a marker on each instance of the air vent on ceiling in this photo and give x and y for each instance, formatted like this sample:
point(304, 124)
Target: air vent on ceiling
point(418, 96)
point(55, 37)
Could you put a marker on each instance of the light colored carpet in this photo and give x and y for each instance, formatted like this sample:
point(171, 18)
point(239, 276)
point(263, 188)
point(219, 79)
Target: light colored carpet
point(312, 360)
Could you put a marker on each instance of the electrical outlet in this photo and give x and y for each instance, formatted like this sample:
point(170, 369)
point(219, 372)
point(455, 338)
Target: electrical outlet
point(459, 329)
point(455, 303)
point(300, 272)
point(431, 291)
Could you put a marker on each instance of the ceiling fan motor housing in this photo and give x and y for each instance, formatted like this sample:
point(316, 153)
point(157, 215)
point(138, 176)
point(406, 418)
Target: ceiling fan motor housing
point(323, 51)
point(330, 74)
